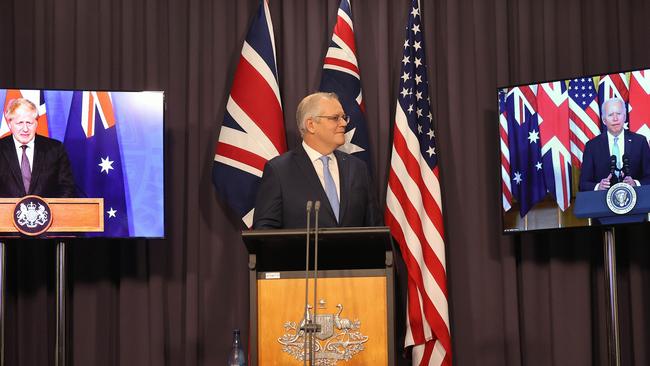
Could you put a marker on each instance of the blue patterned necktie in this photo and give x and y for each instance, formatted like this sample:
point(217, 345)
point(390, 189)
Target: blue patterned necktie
point(617, 152)
point(330, 187)
point(25, 170)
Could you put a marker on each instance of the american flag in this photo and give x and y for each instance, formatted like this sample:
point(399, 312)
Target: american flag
point(91, 140)
point(253, 128)
point(414, 207)
point(506, 190)
point(341, 76)
point(639, 115)
point(35, 96)
point(584, 116)
point(526, 166)
point(553, 121)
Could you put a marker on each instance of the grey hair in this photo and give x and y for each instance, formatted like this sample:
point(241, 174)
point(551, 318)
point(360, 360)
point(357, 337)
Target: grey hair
point(602, 108)
point(308, 108)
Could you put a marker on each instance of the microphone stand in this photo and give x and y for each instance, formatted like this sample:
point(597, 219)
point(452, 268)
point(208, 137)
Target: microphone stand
point(306, 320)
point(316, 326)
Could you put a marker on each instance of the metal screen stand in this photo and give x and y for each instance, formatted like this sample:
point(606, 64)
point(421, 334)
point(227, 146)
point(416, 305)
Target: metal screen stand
point(609, 245)
point(60, 343)
point(2, 303)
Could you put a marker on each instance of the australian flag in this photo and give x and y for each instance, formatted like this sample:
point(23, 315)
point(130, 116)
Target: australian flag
point(526, 169)
point(341, 76)
point(92, 145)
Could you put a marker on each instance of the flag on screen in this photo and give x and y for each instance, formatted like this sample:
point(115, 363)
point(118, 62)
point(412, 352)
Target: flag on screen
point(553, 121)
point(526, 166)
point(341, 76)
point(639, 116)
point(253, 128)
point(414, 207)
point(584, 116)
point(92, 144)
point(506, 191)
point(34, 96)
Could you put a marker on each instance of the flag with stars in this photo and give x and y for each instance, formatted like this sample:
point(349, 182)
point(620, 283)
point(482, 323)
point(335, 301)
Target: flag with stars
point(526, 166)
point(414, 206)
point(639, 106)
point(553, 121)
point(506, 190)
point(92, 145)
point(341, 76)
point(584, 116)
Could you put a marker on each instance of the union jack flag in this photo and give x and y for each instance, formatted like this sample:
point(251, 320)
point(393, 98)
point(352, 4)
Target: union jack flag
point(414, 206)
point(253, 128)
point(639, 106)
point(91, 140)
point(553, 121)
point(35, 96)
point(506, 191)
point(341, 76)
point(584, 116)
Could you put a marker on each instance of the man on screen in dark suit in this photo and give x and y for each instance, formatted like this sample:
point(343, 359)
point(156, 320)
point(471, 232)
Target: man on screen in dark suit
point(627, 146)
point(316, 171)
point(29, 163)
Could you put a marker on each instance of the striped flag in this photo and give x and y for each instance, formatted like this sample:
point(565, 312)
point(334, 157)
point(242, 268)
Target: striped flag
point(506, 190)
point(584, 116)
point(414, 208)
point(613, 86)
point(34, 96)
point(253, 128)
point(341, 76)
point(639, 115)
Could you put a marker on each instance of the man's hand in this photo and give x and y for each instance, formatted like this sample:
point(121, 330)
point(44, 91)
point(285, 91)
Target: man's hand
point(629, 180)
point(604, 183)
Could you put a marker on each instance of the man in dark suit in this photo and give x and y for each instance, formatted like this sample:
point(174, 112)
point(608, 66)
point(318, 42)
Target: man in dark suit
point(29, 163)
point(316, 171)
point(595, 173)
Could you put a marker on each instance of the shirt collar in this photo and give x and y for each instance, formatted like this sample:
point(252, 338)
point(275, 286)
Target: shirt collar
point(18, 144)
point(313, 154)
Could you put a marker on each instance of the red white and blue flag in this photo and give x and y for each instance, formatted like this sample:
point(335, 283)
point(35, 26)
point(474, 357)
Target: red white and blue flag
point(553, 121)
point(253, 127)
point(506, 190)
point(341, 76)
point(584, 116)
point(414, 206)
point(639, 106)
point(91, 140)
point(613, 86)
point(35, 96)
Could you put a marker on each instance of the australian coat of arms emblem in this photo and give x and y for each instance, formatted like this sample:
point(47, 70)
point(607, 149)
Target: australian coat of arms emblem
point(32, 215)
point(338, 339)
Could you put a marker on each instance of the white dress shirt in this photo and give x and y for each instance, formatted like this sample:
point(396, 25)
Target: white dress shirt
point(314, 156)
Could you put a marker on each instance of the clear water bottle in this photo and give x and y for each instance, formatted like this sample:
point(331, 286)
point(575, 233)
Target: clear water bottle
point(237, 356)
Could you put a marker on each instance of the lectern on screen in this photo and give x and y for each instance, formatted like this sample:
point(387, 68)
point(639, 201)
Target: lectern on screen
point(551, 134)
point(114, 140)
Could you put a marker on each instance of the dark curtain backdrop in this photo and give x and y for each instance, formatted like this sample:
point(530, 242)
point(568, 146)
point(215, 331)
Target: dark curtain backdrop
point(532, 299)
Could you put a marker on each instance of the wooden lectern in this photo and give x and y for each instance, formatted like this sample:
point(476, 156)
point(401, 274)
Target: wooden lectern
point(355, 292)
point(69, 216)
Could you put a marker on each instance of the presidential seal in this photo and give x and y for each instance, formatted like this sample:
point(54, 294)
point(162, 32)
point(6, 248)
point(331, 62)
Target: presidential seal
point(32, 215)
point(621, 198)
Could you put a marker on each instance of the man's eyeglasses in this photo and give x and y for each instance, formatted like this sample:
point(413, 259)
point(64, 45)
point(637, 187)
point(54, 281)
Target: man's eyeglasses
point(22, 124)
point(344, 117)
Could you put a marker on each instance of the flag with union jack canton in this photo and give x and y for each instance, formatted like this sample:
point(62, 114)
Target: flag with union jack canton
point(92, 143)
point(253, 127)
point(414, 206)
point(526, 166)
point(611, 86)
point(341, 76)
point(639, 107)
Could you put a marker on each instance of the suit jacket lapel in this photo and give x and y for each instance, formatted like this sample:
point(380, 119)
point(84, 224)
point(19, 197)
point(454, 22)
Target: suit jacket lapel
point(37, 164)
point(307, 167)
point(9, 152)
point(345, 181)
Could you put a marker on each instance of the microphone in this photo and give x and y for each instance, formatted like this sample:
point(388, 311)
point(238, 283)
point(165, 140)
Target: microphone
point(307, 319)
point(626, 165)
point(316, 328)
point(612, 169)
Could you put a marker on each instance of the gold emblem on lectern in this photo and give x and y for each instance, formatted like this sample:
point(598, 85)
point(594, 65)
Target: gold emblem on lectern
point(338, 339)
